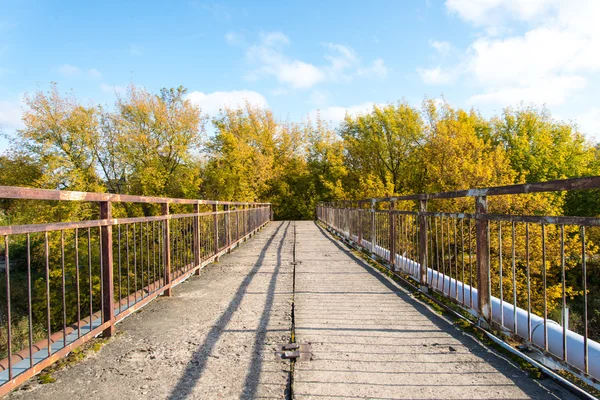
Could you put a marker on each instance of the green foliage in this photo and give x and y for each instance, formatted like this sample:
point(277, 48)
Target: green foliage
point(154, 144)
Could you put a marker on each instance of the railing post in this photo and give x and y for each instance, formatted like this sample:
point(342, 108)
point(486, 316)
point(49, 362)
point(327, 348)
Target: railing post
point(373, 226)
point(227, 226)
point(216, 227)
point(237, 223)
point(108, 300)
point(167, 249)
point(343, 214)
point(423, 253)
point(245, 220)
point(196, 240)
point(392, 224)
point(483, 260)
point(360, 223)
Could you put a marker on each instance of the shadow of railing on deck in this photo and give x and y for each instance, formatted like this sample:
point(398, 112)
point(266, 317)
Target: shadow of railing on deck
point(499, 364)
point(199, 359)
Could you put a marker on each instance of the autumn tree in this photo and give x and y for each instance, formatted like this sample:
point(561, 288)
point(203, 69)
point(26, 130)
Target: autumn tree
point(241, 154)
point(157, 140)
point(383, 145)
point(61, 132)
point(325, 157)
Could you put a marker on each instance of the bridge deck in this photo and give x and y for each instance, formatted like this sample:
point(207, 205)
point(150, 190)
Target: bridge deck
point(215, 337)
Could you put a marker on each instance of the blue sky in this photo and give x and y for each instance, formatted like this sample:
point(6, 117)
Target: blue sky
point(299, 57)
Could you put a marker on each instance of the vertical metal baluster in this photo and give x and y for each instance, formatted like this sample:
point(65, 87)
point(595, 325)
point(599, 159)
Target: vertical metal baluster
point(431, 246)
point(514, 278)
point(500, 272)
point(135, 293)
point(90, 280)
point(182, 255)
point(437, 255)
point(190, 240)
point(462, 256)
point(142, 259)
point(406, 240)
point(443, 256)
point(120, 296)
point(63, 284)
point(188, 247)
point(180, 247)
point(101, 276)
point(470, 264)
point(455, 260)
point(77, 280)
point(154, 256)
point(175, 258)
point(48, 314)
point(415, 245)
point(8, 316)
point(403, 240)
point(564, 297)
point(544, 286)
point(160, 254)
point(148, 254)
point(404, 236)
point(528, 281)
point(585, 302)
point(29, 305)
point(128, 267)
point(449, 256)
point(186, 241)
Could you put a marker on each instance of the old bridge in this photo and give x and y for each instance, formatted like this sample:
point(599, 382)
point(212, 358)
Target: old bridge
point(293, 312)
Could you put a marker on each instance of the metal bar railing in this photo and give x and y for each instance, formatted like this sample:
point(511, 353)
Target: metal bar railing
point(513, 272)
point(66, 282)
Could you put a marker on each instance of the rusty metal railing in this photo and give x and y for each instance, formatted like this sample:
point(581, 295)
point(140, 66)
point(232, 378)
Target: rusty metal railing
point(517, 273)
point(67, 282)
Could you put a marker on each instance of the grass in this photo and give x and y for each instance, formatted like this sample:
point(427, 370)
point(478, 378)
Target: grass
point(46, 378)
point(77, 355)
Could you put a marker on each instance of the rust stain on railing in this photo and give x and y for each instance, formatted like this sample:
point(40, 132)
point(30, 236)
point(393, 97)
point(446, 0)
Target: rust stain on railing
point(452, 254)
point(111, 272)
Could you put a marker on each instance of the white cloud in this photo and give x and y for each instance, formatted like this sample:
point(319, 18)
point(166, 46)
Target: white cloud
point(437, 76)
point(274, 39)
point(336, 115)
point(115, 89)
point(234, 38)
point(319, 97)
point(211, 103)
point(294, 73)
point(94, 73)
point(376, 69)
point(554, 58)
point(298, 74)
point(343, 64)
point(550, 92)
point(10, 115)
point(135, 50)
point(341, 58)
point(495, 13)
point(69, 70)
point(442, 47)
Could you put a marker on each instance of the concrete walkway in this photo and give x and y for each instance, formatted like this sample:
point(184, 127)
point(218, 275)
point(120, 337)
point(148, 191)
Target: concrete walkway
point(371, 339)
point(215, 338)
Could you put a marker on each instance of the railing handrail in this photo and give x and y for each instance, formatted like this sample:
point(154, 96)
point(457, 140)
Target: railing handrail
point(408, 241)
point(166, 249)
point(24, 193)
point(591, 182)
